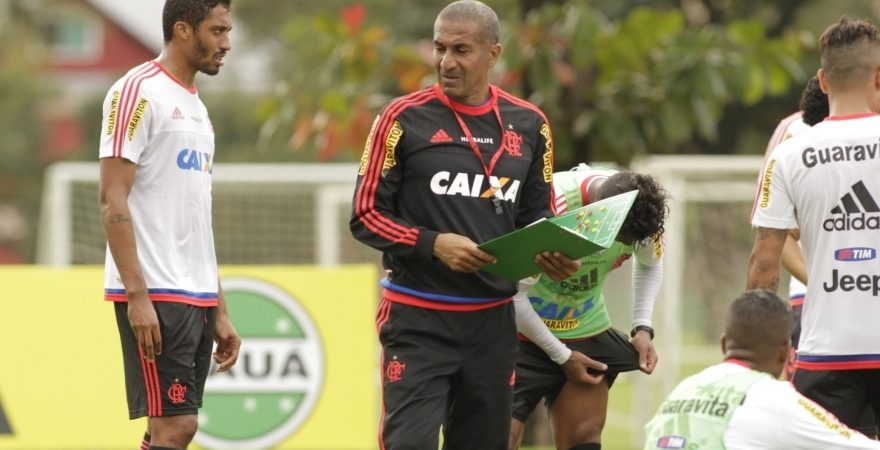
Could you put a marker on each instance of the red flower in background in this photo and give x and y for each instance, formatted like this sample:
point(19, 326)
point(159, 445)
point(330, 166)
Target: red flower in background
point(353, 17)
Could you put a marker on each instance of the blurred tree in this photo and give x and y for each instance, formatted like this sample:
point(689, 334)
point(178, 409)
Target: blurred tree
point(334, 70)
point(338, 63)
point(650, 82)
point(21, 57)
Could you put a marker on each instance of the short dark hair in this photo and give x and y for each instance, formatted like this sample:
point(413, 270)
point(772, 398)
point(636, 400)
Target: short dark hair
point(193, 12)
point(850, 50)
point(649, 210)
point(814, 103)
point(474, 11)
point(758, 318)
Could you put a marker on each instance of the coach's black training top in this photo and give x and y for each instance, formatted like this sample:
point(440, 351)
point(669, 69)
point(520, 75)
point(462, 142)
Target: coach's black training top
point(419, 177)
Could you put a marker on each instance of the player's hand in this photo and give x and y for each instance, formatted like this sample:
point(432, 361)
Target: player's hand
point(647, 356)
point(579, 366)
point(460, 253)
point(558, 266)
point(228, 343)
point(145, 325)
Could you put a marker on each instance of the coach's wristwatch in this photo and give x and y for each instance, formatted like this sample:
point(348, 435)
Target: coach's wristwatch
point(638, 328)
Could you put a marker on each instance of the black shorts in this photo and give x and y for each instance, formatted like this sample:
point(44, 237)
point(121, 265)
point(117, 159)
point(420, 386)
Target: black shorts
point(537, 376)
point(173, 384)
point(851, 395)
point(450, 368)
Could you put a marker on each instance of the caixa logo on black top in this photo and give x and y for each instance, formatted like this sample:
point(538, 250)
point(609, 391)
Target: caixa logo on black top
point(857, 211)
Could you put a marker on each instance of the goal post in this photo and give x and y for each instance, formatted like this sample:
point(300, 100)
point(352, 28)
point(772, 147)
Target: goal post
point(708, 239)
point(281, 213)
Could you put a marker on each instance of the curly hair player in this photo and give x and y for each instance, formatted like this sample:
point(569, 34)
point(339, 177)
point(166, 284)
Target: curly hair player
point(566, 321)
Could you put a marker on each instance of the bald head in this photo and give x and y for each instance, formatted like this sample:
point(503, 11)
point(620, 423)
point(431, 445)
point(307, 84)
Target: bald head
point(473, 11)
point(850, 52)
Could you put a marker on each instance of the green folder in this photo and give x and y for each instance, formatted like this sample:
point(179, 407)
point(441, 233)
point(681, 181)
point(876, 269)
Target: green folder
point(575, 234)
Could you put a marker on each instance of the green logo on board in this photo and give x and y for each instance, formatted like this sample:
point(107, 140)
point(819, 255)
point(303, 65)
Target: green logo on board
point(275, 385)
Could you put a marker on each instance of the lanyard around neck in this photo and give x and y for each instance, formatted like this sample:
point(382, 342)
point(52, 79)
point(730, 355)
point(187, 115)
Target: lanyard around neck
point(496, 186)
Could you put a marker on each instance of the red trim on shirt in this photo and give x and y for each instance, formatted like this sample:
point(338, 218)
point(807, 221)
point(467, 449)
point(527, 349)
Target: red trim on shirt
point(410, 300)
point(851, 116)
point(191, 89)
point(366, 195)
point(841, 365)
point(738, 362)
point(121, 298)
point(471, 110)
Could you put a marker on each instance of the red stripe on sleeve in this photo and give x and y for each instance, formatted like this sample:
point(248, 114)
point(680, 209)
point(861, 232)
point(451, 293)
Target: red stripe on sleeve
point(123, 100)
point(127, 103)
point(366, 195)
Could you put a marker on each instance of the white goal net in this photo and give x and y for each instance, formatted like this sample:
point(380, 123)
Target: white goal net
point(263, 214)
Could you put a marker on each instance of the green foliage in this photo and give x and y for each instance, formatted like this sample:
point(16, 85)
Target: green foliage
point(649, 83)
point(21, 91)
point(330, 89)
point(21, 114)
point(646, 81)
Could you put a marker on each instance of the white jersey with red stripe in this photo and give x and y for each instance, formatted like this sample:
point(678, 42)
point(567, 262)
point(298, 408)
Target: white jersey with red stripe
point(162, 126)
point(790, 126)
point(825, 181)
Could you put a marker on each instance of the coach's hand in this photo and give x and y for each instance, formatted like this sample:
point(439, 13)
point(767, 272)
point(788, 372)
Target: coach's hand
point(558, 266)
point(577, 369)
point(647, 356)
point(228, 343)
point(145, 325)
point(460, 253)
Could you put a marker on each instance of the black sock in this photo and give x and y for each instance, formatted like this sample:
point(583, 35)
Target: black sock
point(593, 446)
point(145, 443)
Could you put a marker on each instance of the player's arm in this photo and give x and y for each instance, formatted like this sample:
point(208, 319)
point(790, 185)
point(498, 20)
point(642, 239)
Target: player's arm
point(228, 342)
point(537, 203)
point(116, 181)
point(374, 220)
point(647, 277)
point(793, 257)
point(773, 217)
point(575, 364)
point(763, 272)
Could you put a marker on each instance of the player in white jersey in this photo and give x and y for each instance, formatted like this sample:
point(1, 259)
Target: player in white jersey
point(157, 150)
point(825, 183)
point(739, 404)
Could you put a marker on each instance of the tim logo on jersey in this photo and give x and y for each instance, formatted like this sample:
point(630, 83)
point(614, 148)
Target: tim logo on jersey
point(472, 185)
point(189, 159)
point(857, 211)
point(671, 442)
point(855, 254)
